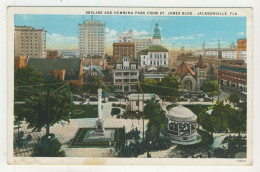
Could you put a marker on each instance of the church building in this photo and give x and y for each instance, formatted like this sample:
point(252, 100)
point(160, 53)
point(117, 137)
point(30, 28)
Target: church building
point(191, 81)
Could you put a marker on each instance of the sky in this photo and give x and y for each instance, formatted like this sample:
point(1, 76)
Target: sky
point(176, 31)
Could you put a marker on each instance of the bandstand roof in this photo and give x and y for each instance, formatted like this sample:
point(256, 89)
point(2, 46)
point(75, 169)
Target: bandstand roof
point(181, 114)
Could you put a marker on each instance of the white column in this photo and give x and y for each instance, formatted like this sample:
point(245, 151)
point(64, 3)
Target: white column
point(190, 128)
point(99, 103)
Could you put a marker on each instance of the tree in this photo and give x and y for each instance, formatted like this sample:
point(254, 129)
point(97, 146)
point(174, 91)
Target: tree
point(211, 87)
point(157, 119)
point(199, 110)
point(207, 123)
point(237, 119)
point(48, 147)
point(170, 81)
point(51, 104)
point(234, 98)
point(150, 81)
point(219, 114)
point(24, 79)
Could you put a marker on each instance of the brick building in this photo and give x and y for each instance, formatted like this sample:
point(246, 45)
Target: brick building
point(241, 49)
point(19, 62)
point(233, 77)
point(52, 54)
point(68, 70)
point(123, 49)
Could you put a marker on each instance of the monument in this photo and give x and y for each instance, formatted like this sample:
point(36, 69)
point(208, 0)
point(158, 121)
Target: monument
point(100, 122)
point(99, 134)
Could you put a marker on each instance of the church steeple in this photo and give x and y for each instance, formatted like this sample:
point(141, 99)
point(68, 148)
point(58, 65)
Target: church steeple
point(156, 36)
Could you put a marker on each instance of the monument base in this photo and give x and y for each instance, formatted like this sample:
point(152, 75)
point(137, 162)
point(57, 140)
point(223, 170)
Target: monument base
point(100, 131)
point(93, 136)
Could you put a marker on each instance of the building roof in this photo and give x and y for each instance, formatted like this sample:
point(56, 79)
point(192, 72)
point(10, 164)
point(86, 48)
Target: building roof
point(72, 67)
point(234, 69)
point(143, 97)
point(183, 69)
point(181, 114)
point(153, 48)
point(96, 68)
point(200, 64)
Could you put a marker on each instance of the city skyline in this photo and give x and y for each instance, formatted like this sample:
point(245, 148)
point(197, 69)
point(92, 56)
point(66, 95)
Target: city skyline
point(180, 30)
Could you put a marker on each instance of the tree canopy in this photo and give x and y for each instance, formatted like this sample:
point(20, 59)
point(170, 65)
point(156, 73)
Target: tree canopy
point(24, 79)
point(49, 105)
point(157, 119)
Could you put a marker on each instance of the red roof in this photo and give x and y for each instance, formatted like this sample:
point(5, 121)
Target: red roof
point(183, 69)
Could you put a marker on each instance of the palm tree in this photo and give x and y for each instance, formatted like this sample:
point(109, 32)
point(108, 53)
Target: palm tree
point(157, 119)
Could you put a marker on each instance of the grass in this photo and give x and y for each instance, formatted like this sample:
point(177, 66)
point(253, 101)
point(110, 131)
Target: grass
point(84, 111)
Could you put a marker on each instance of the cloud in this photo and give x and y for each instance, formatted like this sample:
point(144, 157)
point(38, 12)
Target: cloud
point(182, 37)
point(200, 35)
point(54, 37)
point(58, 41)
point(240, 33)
point(160, 28)
point(111, 35)
point(140, 35)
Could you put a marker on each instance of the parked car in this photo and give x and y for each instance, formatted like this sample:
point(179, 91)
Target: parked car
point(93, 99)
point(77, 98)
point(112, 99)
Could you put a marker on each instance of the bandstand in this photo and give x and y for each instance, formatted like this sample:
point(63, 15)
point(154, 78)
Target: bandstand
point(182, 126)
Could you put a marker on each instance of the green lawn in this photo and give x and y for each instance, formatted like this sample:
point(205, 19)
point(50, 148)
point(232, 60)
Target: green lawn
point(84, 111)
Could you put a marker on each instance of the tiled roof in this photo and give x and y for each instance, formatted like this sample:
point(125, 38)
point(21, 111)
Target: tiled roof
point(72, 67)
point(183, 69)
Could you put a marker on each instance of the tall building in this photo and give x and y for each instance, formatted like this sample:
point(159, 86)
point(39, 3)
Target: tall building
point(141, 44)
point(241, 49)
point(123, 49)
point(125, 37)
point(29, 42)
point(92, 39)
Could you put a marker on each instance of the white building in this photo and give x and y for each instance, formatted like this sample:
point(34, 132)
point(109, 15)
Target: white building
point(29, 42)
point(212, 53)
point(137, 102)
point(141, 44)
point(154, 55)
point(126, 75)
point(125, 37)
point(92, 38)
point(229, 54)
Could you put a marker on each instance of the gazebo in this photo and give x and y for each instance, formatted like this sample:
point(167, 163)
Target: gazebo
point(182, 125)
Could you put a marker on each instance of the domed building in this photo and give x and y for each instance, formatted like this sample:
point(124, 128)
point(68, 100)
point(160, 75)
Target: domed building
point(182, 125)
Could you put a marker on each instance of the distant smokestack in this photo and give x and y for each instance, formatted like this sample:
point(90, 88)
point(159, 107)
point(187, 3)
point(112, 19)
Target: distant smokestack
point(218, 44)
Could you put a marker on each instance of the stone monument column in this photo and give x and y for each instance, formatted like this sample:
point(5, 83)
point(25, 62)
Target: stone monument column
point(99, 103)
point(100, 122)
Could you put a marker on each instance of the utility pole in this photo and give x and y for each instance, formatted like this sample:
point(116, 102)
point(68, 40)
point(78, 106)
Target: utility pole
point(48, 113)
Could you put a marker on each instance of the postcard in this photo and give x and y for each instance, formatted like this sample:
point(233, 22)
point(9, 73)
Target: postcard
point(129, 86)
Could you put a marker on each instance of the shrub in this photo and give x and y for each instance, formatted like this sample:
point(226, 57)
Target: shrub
point(48, 147)
point(115, 111)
